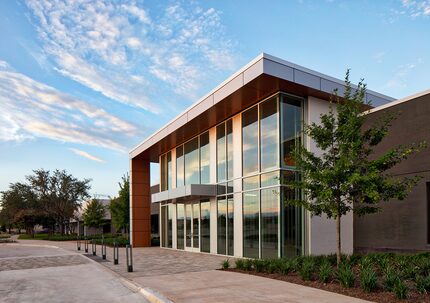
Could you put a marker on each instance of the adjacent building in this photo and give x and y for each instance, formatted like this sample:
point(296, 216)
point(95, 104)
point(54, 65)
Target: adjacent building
point(224, 163)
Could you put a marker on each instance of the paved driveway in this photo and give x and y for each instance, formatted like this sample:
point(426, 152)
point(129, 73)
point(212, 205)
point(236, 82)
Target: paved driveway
point(41, 273)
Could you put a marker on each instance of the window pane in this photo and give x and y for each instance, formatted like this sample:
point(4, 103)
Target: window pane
point(163, 173)
point(204, 158)
point(164, 226)
point(220, 153)
point(290, 128)
point(169, 225)
point(180, 225)
point(180, 166)
point(251, 182)
point(192, 172)
point(169, 170)
point(269, 134)
point(250, 141)
point(292, 223)
point(196, 215)
point(221, 189)
point(230, 225)
point(188, 227)
point(230, 187)
point(269, 222)
point(205, 230)
point(229, 127)
point(222, 226)
point(269, 179)
point(251, 224)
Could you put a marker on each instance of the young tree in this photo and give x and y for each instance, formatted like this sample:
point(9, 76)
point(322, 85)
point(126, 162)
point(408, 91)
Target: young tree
point(120, 206)
point(94, 214)
point(348, 176)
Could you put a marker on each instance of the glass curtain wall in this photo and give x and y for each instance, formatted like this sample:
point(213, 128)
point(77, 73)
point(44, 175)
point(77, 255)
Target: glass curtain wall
point(222, 225)
point(230, 156)
point(221, 153)
point(230, 225)
point(269, 142)
point(251, 224)
point(180, 215)
point(180, 166)
point(191, 151)
point(166, 171)
point(205, 222)
point(169, 225)
point(291, 127)
point(269, 222)
point(250, 141)
point(204, 158)
point(163, 214)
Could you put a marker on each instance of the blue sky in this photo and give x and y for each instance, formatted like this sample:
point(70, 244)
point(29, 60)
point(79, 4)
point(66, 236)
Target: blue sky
point(82, 82)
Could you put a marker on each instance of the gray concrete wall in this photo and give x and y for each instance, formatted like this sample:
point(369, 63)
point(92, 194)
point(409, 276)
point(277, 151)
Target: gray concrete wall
point(401, 225)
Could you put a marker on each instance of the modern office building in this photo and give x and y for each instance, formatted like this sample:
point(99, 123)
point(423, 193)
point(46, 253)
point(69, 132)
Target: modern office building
point(224, 162)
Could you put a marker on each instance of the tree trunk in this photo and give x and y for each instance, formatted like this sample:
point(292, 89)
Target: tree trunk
point(339, 244)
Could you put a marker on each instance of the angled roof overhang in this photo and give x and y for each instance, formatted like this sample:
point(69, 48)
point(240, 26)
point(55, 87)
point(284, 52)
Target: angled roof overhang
point(262, 77)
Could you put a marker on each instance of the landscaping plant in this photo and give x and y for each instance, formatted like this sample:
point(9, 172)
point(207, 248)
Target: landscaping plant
point(226, 264)
point(423, 284)
point(400, 289)
point(239, 264)
point(368, 279)
point(345, 275)
point(307, 269)
point(325, 271)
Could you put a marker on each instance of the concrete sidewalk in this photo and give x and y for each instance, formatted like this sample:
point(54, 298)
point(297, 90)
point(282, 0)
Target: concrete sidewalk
point(192, 277)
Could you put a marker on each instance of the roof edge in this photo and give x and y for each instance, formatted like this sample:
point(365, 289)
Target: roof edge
point(398, 101)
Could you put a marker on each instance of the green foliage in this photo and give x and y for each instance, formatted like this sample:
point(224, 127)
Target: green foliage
point(94, 214)
point(368, 279)
point(247, 264)
point(390, 278)
point(239, 263)
point(344, 175)
point(225, 264)
point(307, 269)
point(423, 284)
point(400, 289)
point(120, 206)
point(286, 267)
point(325, 271)
point(259, 265)
point(345, 275)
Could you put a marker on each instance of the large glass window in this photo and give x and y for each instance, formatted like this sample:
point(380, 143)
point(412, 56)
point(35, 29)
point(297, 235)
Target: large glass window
point(221, 153)
point(204, 158)
point(169, 170)
point(230, 156)
point(269, 222)
point(180, 214)
point(169, 225)
point(230, 225)
point(250, 141)
point(196, 216)
point(192, 171)
point(205, 231)
point(251, 221)
point(163, 172)
point(291, 114)
point(269, 146)
point(163, 214)
point(180, 166)
point(188, 225)
point(222, 225)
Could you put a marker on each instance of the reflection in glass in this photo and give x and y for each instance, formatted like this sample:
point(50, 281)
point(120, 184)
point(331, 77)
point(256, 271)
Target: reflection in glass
point(269, 222)
point(180, 213)
point(180, 166)
point(269, 179)
point(250, 140)
point(292, 227)
point(192, 172)
point(221, 153)
point(169, 225)
point(229, 128)
point(251, 218)
point(269, 134)
point(163, 226)
point(251, 182)
point(221, 189)
point(205, 230)
point(196, 215)
point(222, 225)
point(230, 225)
point(169, 170)
point(204, 158)
point(290, 128)
point(188, 227)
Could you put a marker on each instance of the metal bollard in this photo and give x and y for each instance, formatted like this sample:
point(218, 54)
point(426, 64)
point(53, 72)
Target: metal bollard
point(94, 246)
point(103, 249)
point(86, 244)
point(129, 254)
point(115, 253)
point(78, 244)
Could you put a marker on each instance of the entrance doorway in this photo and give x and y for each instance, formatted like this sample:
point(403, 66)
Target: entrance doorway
point(192, 226)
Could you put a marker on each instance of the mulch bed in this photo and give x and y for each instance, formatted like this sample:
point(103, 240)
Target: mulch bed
point(378, 295)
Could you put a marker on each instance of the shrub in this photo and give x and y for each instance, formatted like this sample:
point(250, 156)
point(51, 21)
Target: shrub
point(272, 266)
point(239, 264)
point(390, 278)
point(247, 264)
point(325, 271)
point(307, 269)
point(259, 265)
point(400, 289)
point(423, 284)
point(225, 264)
point(286, 267)
point(366, 262)
point(368, 279)
point(296, 263)
point(345, 275)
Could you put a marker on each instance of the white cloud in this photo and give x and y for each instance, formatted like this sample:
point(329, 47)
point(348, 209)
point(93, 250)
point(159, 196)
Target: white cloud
point(86, 155)
point(32, 109)
point(104, 45)
point(399, 80)
point(416, 8)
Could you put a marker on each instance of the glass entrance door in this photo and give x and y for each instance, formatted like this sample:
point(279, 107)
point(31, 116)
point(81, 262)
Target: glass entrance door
point(192, 226)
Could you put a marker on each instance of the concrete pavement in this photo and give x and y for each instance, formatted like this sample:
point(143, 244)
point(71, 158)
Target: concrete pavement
point(31, 273)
